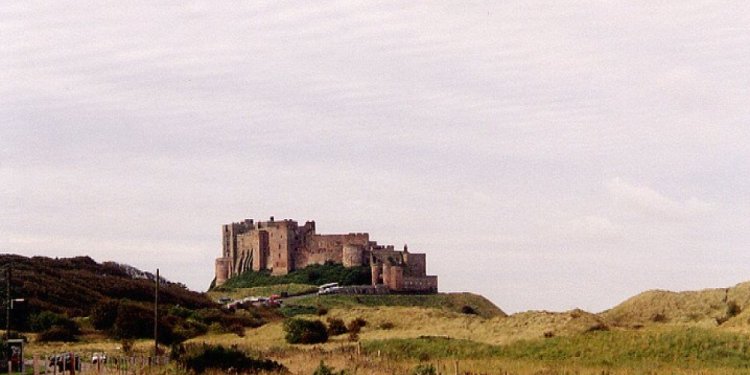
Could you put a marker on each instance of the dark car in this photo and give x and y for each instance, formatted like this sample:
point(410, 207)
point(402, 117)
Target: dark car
point(65, 361)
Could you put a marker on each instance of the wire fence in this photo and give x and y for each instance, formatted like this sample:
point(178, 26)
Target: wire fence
point(92, 363)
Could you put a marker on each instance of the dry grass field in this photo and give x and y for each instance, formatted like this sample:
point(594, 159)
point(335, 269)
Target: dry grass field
point(656, 332)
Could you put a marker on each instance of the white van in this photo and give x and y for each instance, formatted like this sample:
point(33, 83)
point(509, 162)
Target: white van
point(328, 288)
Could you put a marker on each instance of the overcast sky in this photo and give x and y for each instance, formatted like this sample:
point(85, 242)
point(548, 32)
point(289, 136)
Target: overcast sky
point(548, 155)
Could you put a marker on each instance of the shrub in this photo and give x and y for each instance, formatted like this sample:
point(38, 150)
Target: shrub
point(733, 309)
point(386, 325)
point(57, 333)
point(199, 358)
point(466, 309)
point(658, 318)
point(237, 329)
point(322, 311)
point(424, 369)
point(127, 346)
point(104, 314)
point(354, 336)
point(356, 325)
point(301, 331)
point(325, 370)
point(46, 320)
point(336, 327)
point(133, 321)
point(294, 310)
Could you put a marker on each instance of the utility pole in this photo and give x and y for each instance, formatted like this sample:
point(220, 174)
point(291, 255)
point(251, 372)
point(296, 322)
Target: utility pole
point(156, 316)
point(7, 302)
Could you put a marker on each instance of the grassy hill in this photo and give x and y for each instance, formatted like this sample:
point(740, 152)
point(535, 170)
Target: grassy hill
point(72, 286)
point(709, 307)
point(466, 303)
point(703, 331)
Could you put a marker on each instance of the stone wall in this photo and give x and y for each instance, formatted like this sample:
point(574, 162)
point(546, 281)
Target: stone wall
point(283, 246)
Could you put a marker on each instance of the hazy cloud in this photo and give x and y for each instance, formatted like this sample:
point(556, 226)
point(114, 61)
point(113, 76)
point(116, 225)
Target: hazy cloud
point(649, 202)
point(480, 133)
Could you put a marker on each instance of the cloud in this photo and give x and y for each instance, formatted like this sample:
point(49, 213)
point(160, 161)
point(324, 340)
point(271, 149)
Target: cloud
point(140, 128)
point(650, 203)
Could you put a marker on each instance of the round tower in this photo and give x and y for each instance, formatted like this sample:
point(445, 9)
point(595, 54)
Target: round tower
point(375, 270)
point(222, 270)
point(352, 256)
point(397, 278)
point(386, 274)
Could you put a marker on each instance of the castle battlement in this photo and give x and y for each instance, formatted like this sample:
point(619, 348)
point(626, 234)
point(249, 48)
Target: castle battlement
point(282, 246)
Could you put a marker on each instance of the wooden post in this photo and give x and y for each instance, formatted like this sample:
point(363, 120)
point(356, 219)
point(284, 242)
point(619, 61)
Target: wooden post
point(456, 367)
point(36, 364)
point(156, 315)
point(72, 364)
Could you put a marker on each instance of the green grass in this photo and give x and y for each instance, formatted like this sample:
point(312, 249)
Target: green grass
point(265, 291)
point(690, 348)
point(448, 301)
point(312, 275)
point(294, 310)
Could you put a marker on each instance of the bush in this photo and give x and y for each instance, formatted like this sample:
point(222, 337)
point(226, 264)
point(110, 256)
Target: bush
point(133, 321)
point(336, 327)
point(424, 369)
point(57, 333)
point(356, 325)
point(466, 309)
point(315, 274)
point(237, 329)
point(354, 336)
point(301, 331)
point(386, 325)
point(104, 314)
point(199, 358)
point(322, 311)
point(325, 370)
point(733, 309)
point(46, 320)
point(294, 310)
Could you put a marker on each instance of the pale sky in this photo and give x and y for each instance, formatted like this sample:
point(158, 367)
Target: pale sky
point(548, 155)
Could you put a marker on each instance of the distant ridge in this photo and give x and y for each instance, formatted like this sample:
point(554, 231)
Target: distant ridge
point(709, 307)
point(73, 286)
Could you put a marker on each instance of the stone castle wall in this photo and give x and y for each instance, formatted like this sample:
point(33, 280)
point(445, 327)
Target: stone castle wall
point(283, 246)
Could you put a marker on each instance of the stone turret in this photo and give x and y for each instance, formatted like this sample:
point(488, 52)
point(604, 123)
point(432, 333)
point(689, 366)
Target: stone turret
point(352, 256)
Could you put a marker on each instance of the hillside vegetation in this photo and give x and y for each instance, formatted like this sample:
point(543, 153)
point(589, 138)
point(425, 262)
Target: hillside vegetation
point(316, 274)
point(653, 332)
point(686, 348)
point(466, 303)
point(73, 286)
point(710, 307)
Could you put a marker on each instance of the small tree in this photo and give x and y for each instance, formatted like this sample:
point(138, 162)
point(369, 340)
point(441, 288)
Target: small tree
point(336, 327)
point(424, 369)
point(325, 370)
point(301, 331)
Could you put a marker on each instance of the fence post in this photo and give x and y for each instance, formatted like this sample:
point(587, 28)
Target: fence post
point(36, 362)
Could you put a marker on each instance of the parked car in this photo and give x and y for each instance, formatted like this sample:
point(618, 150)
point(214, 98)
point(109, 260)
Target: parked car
point(65, 361)
point(99, 358)
point(224, 300)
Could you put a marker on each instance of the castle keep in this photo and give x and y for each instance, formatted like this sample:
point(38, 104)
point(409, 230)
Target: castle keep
point(283, 246)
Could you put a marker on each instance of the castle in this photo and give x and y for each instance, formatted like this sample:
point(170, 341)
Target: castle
point(283, 246)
